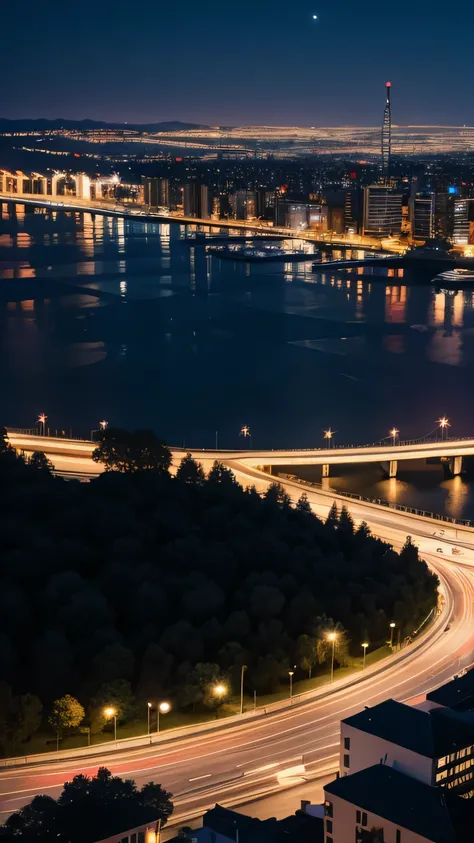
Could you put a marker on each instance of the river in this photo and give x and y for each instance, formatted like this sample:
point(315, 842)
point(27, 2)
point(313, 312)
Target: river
point(127, 320)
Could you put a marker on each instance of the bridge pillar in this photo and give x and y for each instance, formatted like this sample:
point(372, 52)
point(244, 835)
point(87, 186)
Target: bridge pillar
point(393, 468)
point(325, 470)
point(455, 464)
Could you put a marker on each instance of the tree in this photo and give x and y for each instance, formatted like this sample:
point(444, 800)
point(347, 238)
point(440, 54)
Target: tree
point(346, 522)
point(67, 713)
point(89, 809)
point(222, 475)
point(125, 451)
point(333, 516)
point(307, 653)
point(30, 709)
point(303, 505)
point(40, 461)
point(409, 552)
point(275, 494)
point(190, 471)
point(118, 695)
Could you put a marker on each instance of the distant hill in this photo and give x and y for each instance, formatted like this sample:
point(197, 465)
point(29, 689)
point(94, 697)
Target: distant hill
point(29, 125)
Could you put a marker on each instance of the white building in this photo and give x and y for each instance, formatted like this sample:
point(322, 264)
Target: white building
point(382, 805)
point(435, 747)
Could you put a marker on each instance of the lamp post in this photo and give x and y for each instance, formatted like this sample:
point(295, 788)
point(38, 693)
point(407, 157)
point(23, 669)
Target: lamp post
point(103, 425)
point(444, 424)
point(245, 432)
point(148, 712)
point(244, 668)
point(364, 647)
point(332, 637)
point(392, 627)
point(162, 708)
point(291, 673)
point(394, 434)
point(328, 435)
point(109, 713)
point(42, 421)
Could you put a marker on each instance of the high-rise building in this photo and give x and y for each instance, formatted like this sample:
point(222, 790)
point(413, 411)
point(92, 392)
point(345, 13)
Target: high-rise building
point(382, 210)
point(156, 192)
point(243, 204)
point(422, 216)
point(461, 227)
point(196, 200)
point(387, 134)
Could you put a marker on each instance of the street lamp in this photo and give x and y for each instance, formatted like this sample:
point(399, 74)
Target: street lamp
point(103, 425)
point(109, 713)
point(220, 690)
point(392, 627)
point(364, 647)
point(42, 421)
point(244, 668)
point(444, 424)
point(148, 712)
point(163, 708)
point(291, 673)
point(246, 432)
point(332, 637)
point(394, 433)
point(328, 435)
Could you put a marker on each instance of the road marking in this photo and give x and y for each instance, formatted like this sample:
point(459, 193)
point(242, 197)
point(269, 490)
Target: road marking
point(197, 778)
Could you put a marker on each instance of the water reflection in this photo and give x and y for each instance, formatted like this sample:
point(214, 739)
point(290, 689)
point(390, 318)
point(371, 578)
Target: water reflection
point(110, 316)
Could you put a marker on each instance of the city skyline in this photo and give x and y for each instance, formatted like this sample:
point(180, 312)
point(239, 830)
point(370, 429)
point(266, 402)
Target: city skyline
point(258, 65)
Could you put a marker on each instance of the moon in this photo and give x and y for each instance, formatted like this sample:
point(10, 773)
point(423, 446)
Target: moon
point(315, 17)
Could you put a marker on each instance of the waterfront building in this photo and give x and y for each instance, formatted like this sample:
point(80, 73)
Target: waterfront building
point(382, 210)
point(422, 216)
point(196, 200)
point(156, 192)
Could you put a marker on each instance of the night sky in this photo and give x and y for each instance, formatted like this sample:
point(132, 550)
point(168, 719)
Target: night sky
point(234, 62)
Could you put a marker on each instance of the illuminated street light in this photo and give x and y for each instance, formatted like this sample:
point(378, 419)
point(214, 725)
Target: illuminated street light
point(332, 636)
point(364, 647)
point(220, 690)
point(244, 668)
point(109, 713)
point(163, 708)
point(328, 435)
point(103, 424)
point(246, 433)
point(148, 711)
point(394, 433)
point(392, 627)
point(42, 421)
point(444, 424)
point(291, 673)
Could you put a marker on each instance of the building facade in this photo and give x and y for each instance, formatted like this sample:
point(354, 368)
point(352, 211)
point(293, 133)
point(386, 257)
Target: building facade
point(382, 210)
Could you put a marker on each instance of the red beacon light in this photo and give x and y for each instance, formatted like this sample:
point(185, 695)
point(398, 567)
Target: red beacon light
point(388, 85)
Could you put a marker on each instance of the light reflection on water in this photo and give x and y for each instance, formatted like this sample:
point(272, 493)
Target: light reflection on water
point(190, 344)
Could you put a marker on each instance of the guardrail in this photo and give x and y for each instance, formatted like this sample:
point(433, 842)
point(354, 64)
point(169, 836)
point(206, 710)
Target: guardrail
point(410, 510)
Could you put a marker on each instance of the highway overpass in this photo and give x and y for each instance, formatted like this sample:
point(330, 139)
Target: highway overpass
point(76, 453)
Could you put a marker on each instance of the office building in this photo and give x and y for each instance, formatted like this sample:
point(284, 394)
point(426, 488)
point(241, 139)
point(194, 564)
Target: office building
point(387, 134)
point(156, 192)
point(382, 210)
point(243, 204)
point(301, 215)
point(461, 224)
point(196, 200)
point(422, 216)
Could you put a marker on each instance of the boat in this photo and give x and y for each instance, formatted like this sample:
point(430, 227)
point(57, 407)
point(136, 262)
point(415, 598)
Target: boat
point(259, 255)
point(454, 278)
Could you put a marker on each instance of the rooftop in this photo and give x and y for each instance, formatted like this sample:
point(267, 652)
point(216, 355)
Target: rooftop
point(432, 734)
point(407, 803)
point(457, 694)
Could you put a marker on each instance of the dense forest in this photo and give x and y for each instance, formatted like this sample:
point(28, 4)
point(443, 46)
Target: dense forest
point(147, 585)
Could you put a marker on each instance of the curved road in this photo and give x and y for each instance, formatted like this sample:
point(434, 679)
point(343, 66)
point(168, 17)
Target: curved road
point(235, 763)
